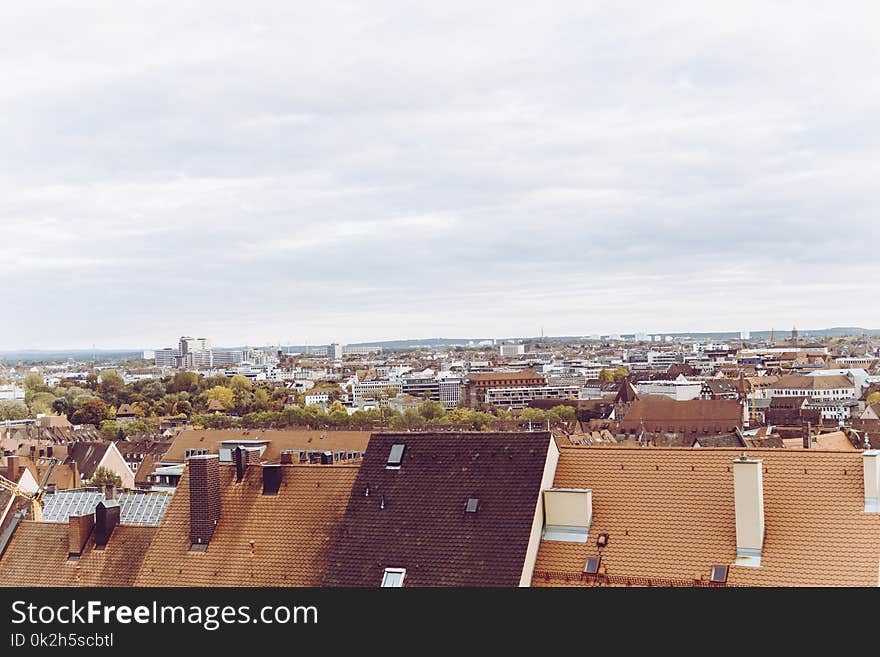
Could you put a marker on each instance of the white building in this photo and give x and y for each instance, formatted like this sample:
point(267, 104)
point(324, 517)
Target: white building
point(166, 357)
point(319, 397)
point(450, 392)
point(374, 388)
point(334, 351)
point(680, 389)
point(512, 350)
point(11, 391)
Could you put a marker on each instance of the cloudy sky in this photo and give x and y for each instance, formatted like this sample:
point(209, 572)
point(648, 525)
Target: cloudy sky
point(277, 171)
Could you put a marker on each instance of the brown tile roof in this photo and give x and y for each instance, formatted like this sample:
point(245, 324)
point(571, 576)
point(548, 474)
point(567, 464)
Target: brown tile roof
point(656, 413)
point(280, 440)
point(834, 441)
point(832, 381)
point(87, 456)
point(423, 526)
point(37, 556)
point(670, 514)
point(291, 531)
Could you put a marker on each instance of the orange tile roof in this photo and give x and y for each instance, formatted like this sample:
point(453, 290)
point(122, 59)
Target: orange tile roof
point(292, 532)
point(37, 556)
point(834, 441)
point(670, 515)
point(280, 440)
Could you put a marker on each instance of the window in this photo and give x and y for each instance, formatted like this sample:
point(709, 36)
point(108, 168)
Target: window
point(719, 575)
point(395, 457)
point(592, 565)
point(472, 505)
point(393, 577)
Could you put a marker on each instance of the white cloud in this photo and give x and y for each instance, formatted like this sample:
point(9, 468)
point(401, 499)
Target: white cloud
point(353, 172)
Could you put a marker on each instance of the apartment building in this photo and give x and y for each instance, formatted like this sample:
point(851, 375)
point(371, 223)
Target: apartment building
point(519, 397)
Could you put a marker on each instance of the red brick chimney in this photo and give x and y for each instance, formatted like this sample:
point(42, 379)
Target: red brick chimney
point(78, 530)
point(204, 499)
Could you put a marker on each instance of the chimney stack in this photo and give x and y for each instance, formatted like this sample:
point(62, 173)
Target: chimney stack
point(748, 490)
point(78, 530)
point(871, 465)
point(109, 492)
point(107, 515)
point(204, 499)
point(12, 468)
point(271, 479)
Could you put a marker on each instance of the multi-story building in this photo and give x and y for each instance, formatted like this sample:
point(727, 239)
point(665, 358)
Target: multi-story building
point(512, 350)
point(194, 353)
point(476, 385)
point(519, 397)
point(334, 351)
point(423, 387)
point(678, 389)
point(349, 350)
point(226, 358)
point(166, 357)
point(374, 388)
point(449, 391)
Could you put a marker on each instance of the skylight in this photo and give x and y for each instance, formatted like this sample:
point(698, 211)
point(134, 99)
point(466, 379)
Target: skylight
point(719, 574)
point(393, 577)
point(395, 458)
point(472, 505)
point(592, 565)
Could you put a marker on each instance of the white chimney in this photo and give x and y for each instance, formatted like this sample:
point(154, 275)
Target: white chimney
point(871, 464)
point(748, 491)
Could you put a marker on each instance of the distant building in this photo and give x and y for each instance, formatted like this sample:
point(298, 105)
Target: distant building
point(195, 353)
point(334, 351)
point(349, 350)
point(166, 357)
point(449, 391)
point(512, 350)
point(476, 385)
point(225, 358)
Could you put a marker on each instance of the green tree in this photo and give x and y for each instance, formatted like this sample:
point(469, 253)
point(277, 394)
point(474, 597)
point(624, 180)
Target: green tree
point(183, 407)
point(110, 382)
point(432, 410)
point(109, 429)
point(60, 405)
point(873, 398)
point(221, 394)
point(93, 411)
point(240, 383)
point(104, 475)
point(33, 382)
point(12, 409)
point(41, 402)
point(184, 382)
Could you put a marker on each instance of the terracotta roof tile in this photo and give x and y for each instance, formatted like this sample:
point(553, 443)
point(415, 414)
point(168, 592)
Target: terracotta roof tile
point(670, 514)
point(37, 556)
point(291, 531)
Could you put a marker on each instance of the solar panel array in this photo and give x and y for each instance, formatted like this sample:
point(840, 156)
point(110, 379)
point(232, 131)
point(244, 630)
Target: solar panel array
point(136, 508)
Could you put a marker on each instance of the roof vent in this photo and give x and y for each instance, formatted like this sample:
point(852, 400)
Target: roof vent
point(395, 457)
point(472, 505)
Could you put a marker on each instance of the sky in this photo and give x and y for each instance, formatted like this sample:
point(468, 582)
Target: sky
point(303, 172)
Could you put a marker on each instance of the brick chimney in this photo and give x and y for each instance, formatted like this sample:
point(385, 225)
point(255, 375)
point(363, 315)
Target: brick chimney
point(871, 465)
point(748, 490)
point(11, 467)
point(109, 492)
point(243, 457)
point(78, 530)
point(204, 499)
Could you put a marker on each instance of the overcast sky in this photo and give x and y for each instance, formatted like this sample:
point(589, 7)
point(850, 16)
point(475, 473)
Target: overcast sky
point(276, 171)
